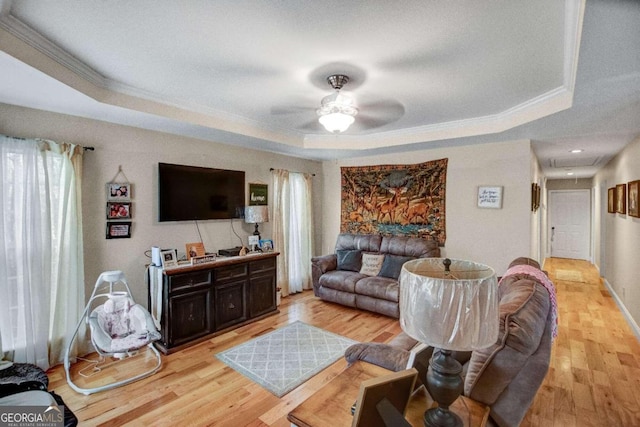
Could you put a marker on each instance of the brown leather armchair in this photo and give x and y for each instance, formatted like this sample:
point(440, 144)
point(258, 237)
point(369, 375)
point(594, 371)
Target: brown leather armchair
point(507, 375)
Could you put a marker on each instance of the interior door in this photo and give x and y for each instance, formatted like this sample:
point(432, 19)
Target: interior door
point(570, 223)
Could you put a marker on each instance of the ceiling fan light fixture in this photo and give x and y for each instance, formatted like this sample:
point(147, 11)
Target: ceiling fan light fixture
point(336, 122)
point(337, 111)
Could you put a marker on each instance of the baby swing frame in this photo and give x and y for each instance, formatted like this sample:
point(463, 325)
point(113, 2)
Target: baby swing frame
point(88, 318)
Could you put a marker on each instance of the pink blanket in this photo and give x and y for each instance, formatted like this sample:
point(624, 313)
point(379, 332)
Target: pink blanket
point(541, 278)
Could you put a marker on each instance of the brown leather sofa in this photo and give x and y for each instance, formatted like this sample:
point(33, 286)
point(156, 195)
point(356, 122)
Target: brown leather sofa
point(507, 375)
point(337, 277)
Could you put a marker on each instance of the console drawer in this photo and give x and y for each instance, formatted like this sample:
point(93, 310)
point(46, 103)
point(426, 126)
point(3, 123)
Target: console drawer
point(262, 265)
point(189, 280)
point(231, 272)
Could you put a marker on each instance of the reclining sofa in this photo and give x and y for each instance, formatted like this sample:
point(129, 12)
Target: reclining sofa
point(506, 375)
point(363, 272)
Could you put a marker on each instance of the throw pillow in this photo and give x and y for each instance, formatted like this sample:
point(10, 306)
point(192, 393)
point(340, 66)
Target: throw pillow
point(371, 264)
point(392, 265)
point(349, 260)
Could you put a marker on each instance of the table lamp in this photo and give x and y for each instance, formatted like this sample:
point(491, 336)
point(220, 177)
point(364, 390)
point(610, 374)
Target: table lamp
point(256, 215)
point(449, 305)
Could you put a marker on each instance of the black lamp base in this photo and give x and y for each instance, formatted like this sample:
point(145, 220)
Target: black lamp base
point(256, 232)
point(438, 417)
point(444, 384)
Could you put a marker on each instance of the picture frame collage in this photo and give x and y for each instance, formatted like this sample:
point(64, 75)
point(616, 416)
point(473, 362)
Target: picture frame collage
point(623, 199)
point(119, 210)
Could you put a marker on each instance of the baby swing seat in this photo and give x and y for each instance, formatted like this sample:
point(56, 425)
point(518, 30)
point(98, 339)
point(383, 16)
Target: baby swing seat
point(118, 327)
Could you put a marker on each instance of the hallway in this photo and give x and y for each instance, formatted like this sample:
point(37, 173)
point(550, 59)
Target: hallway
point(594, 378)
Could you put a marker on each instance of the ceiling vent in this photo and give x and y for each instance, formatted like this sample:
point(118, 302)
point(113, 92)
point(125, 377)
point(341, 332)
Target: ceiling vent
point(575, 162)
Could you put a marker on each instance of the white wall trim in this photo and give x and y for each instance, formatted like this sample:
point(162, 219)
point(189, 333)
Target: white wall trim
point(632, 323)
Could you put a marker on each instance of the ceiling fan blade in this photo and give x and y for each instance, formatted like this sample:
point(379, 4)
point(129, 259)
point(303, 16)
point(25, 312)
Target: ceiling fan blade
point(312, 125)
point(366, 122)
point(282, 110)
point(382, 109)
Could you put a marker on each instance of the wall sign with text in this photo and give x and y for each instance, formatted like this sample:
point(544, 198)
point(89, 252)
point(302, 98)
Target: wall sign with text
point(490, 197)
point(258, 194)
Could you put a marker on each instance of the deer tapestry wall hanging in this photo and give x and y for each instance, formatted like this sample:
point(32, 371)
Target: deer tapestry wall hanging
point(395, 200)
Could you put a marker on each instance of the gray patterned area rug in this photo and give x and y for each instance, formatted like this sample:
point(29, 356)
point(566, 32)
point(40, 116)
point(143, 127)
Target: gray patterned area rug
point(283, 359)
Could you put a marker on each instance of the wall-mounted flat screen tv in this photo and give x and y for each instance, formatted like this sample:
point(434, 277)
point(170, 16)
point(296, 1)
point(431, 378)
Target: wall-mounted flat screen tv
point(195, 193)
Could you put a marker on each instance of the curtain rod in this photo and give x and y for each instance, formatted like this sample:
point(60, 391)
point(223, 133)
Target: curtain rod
point(272, 169)
point(88, 148)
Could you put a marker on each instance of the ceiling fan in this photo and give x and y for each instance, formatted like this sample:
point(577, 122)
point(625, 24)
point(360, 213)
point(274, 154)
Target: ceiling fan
point(337, 111)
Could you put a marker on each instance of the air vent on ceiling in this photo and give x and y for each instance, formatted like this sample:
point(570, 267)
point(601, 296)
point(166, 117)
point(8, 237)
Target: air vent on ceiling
point(575, 162)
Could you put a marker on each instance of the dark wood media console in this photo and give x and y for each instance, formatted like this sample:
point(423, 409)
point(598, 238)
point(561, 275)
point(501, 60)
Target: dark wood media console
point(199, 302)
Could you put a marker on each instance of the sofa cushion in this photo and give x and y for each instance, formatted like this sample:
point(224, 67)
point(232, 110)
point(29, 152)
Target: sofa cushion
point(341, 280)
point(362, 242)
point(378, 287)
point(392, 265)
point(371, 264)
point(349, 260)
point(409, 246)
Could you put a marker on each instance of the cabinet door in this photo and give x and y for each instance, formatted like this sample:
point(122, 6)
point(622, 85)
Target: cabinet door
point(190, 316)
point(231, 303)
point(262, 294)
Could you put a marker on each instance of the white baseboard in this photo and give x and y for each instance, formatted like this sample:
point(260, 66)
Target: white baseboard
point(625, 312)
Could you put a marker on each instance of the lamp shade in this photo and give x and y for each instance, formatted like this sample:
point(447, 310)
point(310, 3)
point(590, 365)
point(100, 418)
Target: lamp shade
point(256, 214)
point(456, 310)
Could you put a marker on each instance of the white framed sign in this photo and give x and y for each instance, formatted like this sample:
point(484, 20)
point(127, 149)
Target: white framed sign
point(490, 197)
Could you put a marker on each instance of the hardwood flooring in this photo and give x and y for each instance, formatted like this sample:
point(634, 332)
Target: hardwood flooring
point(594, 379)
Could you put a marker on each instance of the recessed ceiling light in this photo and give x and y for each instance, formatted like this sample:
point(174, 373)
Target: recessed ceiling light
point(577, 150)
point(569, 173)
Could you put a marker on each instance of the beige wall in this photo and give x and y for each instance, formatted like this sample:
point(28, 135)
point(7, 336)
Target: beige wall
point(618, 235)
point(138, 152)
point(491, 236)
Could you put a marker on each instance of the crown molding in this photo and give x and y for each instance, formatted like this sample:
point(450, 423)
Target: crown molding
point(107, 91)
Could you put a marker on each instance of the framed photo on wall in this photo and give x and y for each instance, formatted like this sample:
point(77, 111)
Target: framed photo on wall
point(118, 191)
point(621, 198)
point(633, 188)
point(611, 200)
point(118, 230)
point(118, 210)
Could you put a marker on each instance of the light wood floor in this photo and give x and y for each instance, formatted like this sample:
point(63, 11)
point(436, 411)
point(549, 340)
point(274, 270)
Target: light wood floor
point(594, 379)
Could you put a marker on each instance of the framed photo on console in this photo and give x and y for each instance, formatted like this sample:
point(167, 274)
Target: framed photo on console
point(266, 245)
point(383, 395)
point(169, 258)
point(195, 249)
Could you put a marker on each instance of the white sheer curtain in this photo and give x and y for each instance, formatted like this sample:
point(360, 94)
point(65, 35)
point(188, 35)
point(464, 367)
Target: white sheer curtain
point(41, 254)
point(292, 229)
